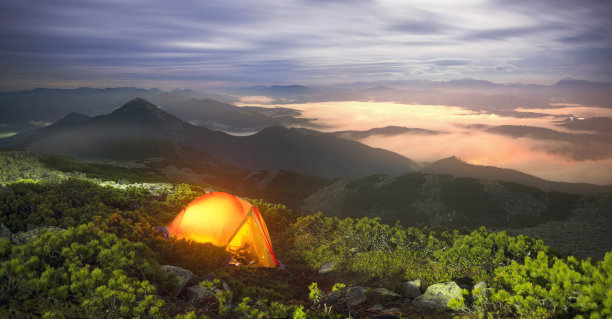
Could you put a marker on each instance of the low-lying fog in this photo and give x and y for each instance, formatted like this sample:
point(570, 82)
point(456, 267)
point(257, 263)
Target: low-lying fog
point(542, 142)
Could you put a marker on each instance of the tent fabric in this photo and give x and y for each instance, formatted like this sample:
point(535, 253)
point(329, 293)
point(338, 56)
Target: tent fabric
point(227, 221)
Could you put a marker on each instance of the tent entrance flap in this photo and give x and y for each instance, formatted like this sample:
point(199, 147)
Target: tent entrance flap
point(250, 242)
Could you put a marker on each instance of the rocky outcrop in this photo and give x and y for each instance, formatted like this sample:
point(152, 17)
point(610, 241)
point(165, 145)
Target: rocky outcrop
point(438, 295)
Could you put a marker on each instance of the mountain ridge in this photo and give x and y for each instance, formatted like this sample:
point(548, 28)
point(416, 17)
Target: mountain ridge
point(459, 168)
point(139, 121)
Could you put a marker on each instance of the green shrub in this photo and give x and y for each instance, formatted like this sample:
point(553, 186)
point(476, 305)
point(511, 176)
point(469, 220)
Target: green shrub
point(479, 253)
point(543, 287)
point(81, 272)
point(595, 299)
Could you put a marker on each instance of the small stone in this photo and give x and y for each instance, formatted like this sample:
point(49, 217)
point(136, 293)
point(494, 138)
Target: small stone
point(412, 289)
point(384, 292)
point(355, 296)
point(327, 267)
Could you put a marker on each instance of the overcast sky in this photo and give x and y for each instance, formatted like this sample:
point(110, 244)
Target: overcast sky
point(199, 44)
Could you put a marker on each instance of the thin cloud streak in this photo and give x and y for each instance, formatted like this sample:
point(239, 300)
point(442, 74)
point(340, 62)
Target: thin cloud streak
point(325, 41)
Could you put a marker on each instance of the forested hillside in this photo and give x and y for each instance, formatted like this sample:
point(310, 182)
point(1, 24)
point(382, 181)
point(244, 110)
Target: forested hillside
point(76, 248)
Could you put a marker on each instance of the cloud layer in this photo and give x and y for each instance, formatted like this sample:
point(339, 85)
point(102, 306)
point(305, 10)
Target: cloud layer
point(198, 44)
point(544, 146)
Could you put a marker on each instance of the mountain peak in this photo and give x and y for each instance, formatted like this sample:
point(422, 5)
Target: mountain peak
point(137, 104)
point(72, 118)
point(451, 159)
point(141, 111)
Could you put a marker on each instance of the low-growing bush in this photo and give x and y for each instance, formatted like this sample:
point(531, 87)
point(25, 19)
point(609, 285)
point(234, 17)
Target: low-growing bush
point(81, 272)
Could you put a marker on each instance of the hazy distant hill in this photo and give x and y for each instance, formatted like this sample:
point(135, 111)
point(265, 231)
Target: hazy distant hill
point(139, 129)
point(279, 91)
point(456, 167)
point(221, 116)
point(384, 131)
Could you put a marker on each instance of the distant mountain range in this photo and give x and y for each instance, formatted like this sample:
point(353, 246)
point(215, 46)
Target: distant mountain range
point(278, 91)
point(141, 130)
point(456, 167)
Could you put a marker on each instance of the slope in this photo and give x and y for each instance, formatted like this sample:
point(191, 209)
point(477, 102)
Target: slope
point(456, 167)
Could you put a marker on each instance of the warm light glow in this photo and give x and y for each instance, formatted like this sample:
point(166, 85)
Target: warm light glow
point(224, 220)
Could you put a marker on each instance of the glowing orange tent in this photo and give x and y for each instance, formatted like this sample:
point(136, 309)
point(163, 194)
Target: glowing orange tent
point(228, 221)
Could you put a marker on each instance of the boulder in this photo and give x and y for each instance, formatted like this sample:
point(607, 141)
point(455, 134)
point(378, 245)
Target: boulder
point(327, 267)
point(355, 296)
point(412, 289)
point(385, 293)
point(182, 275)
point(438, 295)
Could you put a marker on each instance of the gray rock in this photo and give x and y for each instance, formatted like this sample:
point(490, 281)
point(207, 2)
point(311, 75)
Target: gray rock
point(386, 293)
point(327, 267)
point(182, 275)
point(333, 296)
point(438, 295)
point(23, 236)
point(412, 289)
point(355, 296)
